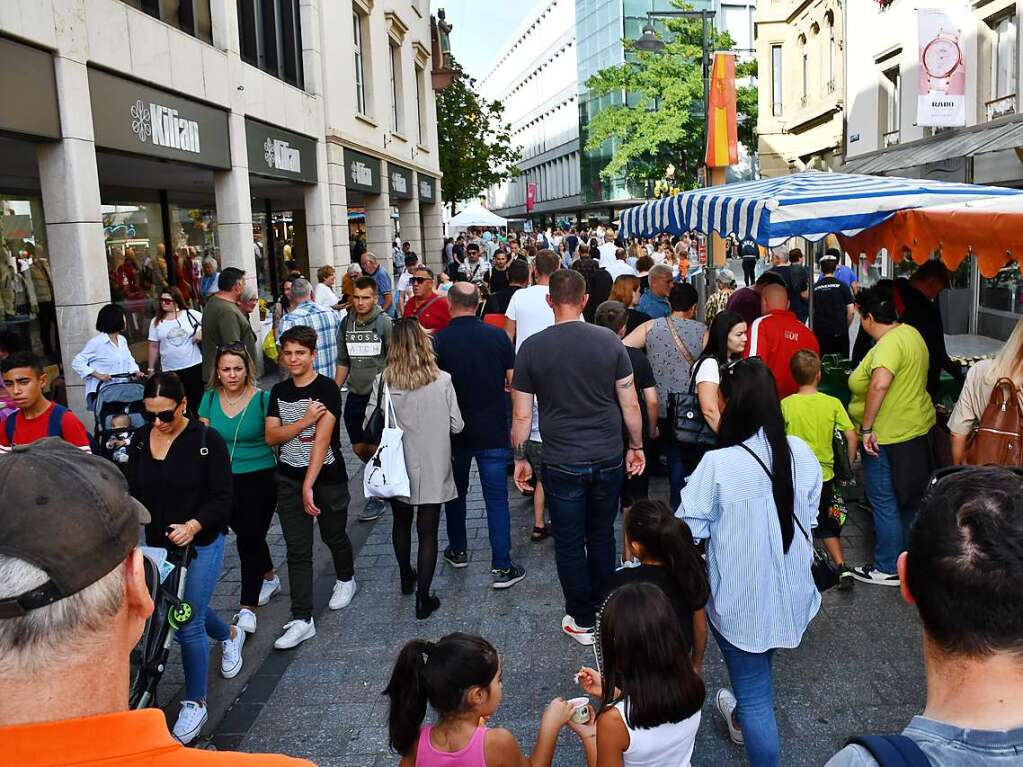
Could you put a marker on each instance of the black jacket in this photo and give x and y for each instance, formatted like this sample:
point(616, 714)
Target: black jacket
point(185, 485)
point(924, 315)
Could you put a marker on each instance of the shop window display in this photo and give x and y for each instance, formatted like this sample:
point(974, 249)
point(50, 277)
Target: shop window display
point(26, 285)
point(1001, 302)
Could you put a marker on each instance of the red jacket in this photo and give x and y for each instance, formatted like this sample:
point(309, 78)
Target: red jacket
point(434, 315)
point(775, 337)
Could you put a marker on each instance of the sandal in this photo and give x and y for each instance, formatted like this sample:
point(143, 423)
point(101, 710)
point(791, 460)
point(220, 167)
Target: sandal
point(539, 533)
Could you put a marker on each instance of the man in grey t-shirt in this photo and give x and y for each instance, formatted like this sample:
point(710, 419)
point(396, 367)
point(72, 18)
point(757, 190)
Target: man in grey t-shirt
point(964, 573)
point(582, 379)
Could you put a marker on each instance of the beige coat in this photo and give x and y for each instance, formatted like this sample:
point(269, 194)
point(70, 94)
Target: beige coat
point(428, 417)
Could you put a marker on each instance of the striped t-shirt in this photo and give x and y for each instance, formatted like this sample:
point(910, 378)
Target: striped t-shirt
point(288, 402)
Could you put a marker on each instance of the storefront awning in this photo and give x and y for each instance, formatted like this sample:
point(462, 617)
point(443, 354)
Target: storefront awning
point(963, 143)
point(991, 230)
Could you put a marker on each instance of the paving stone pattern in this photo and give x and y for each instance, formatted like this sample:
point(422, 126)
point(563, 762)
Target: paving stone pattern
point(859, 667)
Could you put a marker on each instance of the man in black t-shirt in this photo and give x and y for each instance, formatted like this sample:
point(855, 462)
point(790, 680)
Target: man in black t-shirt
point(582, 379)
point(518, 278)
point(312, 481)
point(832, 310)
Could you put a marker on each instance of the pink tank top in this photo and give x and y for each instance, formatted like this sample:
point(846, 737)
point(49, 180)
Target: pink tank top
point(470, 756)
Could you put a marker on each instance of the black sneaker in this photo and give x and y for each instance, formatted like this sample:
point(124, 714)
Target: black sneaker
point(505, 579)
point(457, 559)
point(869, 574)
point(845, 578)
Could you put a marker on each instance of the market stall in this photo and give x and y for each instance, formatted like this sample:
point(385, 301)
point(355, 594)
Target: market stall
point(476, 215)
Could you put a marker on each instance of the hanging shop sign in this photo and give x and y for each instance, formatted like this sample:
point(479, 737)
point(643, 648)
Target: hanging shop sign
point(130, 117)
point(941, 89)
point(427, 189)
point(28, 92)
point(279, 153)
point(362, 172)
point(399, 181)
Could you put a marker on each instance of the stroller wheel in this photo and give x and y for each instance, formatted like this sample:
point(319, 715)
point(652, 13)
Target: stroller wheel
point(180, 615)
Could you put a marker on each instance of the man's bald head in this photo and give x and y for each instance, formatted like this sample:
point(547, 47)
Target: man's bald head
point(463, 298)
point(774, 297)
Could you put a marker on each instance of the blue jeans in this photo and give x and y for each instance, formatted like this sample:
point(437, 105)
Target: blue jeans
point(891, 520)
point(753, 685)
point(203, 574)
point(682, 461)
point(493, 468)
point(583, 499)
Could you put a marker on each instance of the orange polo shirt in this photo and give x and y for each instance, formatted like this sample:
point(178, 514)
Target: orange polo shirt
point(117, 740)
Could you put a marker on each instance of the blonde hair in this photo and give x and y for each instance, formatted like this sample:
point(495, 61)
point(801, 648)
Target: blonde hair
point(1008, 363)
point(624, 289)
point(410, 360)
point(243, 355)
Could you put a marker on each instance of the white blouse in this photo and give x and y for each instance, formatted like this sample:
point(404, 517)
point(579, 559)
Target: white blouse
point(101, 355)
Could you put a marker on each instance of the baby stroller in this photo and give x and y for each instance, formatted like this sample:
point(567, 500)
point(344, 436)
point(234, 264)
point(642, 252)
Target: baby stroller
point(121, 395)
point(166, 573)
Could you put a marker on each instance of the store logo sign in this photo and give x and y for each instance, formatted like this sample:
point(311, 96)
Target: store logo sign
point(426, 190)
point(362, 174)
point(399, 183)
point(161, 126)
point(281, 156)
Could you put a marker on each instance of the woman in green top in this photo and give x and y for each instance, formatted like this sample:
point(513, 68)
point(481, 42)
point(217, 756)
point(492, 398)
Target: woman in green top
point(236, 409)
point(894, 414)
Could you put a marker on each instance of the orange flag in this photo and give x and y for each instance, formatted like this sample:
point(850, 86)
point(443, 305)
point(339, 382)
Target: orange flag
point(722, 138)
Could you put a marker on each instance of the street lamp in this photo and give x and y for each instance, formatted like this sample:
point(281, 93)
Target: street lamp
point(649, 41)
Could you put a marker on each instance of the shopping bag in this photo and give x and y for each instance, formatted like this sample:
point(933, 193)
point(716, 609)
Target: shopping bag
point(385, 475)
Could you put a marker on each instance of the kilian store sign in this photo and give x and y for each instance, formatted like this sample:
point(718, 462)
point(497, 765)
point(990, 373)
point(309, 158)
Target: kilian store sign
point(279, 153)
point(130, 117)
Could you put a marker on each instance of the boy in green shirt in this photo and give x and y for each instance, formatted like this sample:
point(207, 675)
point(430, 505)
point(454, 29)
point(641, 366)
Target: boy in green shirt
point(813, 417)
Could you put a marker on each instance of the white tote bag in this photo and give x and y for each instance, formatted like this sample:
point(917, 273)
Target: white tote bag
point(385, 475)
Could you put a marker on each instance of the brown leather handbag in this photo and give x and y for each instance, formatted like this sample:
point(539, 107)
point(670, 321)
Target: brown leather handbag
point(999, 438)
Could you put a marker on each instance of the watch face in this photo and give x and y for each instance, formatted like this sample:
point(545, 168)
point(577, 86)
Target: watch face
point(941, 57)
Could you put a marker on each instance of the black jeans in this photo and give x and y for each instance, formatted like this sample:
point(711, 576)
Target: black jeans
point(583, 499)
point(255, 499)
point(332, 499)
point(48, 327)
point(749, 270)
point(834, 343)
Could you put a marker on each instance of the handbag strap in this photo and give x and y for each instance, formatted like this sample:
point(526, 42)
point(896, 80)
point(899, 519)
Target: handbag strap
point(770, 476)
point(679, 343)
point(389, 408)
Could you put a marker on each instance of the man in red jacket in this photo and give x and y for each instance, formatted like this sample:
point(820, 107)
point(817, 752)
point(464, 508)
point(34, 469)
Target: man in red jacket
point(777, 335)
point(427, 306)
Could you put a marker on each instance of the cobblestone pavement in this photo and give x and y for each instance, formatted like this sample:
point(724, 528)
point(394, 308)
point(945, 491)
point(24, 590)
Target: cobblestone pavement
point(858, 669)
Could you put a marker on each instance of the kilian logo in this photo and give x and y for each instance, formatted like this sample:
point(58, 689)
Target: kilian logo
point(399, 183)
point(161, 126)
point(279, 154)
point(361, 173)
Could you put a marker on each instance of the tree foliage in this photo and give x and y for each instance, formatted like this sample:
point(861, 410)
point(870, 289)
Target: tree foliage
point(662, 122)
point(474, 141)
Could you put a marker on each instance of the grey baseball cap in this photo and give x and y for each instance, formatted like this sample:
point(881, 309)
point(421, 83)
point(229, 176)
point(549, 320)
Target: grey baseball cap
point(726, 276)
point(67, 512)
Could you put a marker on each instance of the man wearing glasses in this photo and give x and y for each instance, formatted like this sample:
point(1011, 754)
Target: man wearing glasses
point(427, 306)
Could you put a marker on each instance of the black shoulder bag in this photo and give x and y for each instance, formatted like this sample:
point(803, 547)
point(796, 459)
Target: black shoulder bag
point(374, 429)
point(685, 415)
point(822, 569)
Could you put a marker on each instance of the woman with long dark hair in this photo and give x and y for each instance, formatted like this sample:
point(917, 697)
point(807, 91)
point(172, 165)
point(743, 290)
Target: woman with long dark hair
point(726, 338)
point(762, 595)
point(181, 472)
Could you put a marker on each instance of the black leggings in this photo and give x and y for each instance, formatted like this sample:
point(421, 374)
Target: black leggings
point(255, 498)
point(427, 524)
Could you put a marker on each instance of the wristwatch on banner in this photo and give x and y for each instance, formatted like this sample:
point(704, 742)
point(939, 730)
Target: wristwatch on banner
point(940, 57)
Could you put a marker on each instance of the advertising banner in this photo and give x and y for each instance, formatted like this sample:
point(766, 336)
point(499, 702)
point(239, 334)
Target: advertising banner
point(530, 196)
point(941, 91)
point(722, 131)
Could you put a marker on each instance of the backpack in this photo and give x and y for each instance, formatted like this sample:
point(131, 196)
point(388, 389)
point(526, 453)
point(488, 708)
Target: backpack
point(892, 750)
point(999, 438)
point(54, 428)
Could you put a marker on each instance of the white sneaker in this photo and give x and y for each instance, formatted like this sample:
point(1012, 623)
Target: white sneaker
point(268, 589)
point(582, 635)
point(869, 574)
point(295, 633)
point(725, 703)
point(190, 722)
point(231, 660)
point(343, 593)
point(246, 621)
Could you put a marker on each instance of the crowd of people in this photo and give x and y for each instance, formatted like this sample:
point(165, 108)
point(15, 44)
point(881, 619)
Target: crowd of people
point(583, 364)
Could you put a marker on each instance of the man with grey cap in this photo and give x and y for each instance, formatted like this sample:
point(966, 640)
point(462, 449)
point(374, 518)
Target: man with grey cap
point(73, 603)
point(725, 281)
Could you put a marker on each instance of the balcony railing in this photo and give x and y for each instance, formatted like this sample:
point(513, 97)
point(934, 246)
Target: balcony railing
point(891, 138)
point(1005, 105)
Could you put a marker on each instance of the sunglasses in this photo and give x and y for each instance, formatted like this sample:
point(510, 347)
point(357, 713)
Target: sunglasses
point(166, 300)
point(164, 415)
point(420, 280)
point(236, 346)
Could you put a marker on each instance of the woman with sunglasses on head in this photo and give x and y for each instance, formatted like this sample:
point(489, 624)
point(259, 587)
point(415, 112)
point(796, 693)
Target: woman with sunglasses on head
point(175, 337)
point(180, 471)
point(762, 593)
point(236, 409)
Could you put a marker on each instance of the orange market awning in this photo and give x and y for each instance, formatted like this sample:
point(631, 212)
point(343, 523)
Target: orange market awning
point(990, 229)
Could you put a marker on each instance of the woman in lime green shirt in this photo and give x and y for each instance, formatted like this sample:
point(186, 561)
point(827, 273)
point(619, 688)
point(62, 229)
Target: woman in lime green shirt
point(894, 414)
point(236, 410)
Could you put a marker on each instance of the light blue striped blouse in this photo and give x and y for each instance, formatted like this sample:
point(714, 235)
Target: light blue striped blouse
point(760, 597)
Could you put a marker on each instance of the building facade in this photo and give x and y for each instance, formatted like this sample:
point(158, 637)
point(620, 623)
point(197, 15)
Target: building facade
point(883, 136)
point(150, 137)
point(800, 57)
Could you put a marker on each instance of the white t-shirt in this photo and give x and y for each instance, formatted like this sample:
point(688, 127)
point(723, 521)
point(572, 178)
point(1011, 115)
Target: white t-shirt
point(325, 296)
point(618, 268)
point(708, 372)
point(176, 338)
point(607, 254)
point(529, 310)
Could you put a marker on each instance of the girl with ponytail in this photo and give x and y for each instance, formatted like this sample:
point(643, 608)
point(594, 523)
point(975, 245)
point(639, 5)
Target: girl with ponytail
point(667, 557)
point(460, 677)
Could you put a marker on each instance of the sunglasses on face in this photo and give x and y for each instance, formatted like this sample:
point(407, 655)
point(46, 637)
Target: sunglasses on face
point(164, 415)
point(419, 280)
point(166, 300)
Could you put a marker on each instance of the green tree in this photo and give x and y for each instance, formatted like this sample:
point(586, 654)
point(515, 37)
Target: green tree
point(662, 121)
point(475, 142)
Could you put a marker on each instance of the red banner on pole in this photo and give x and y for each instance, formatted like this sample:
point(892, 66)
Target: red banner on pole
point(530, 196)
point(722, 135)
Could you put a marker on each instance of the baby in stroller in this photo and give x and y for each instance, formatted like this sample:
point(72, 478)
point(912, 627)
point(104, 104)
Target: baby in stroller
point(119, 442)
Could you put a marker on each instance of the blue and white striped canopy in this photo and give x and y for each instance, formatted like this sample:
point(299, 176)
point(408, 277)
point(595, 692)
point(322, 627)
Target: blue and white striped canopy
point(812, 205)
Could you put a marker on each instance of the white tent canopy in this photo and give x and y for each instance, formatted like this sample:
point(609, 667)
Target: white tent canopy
point(476, 215)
